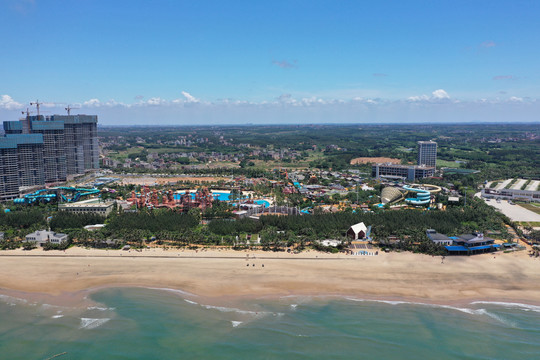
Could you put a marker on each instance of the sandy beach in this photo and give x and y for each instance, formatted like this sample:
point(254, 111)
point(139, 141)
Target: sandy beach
point(227, 273)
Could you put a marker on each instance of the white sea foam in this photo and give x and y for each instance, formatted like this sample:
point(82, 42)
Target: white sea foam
point(525, 307)
point(176, 291)
point(191, 302)
point(294, 306)
point(12, 301)
point(462, 309)
point(236, 323)
point(57, 316)
point(497, 317)
point(391, 302)
point(227, 309)
point(49, 306)
point(240, 311)
point(100, 308)
point(89, 323)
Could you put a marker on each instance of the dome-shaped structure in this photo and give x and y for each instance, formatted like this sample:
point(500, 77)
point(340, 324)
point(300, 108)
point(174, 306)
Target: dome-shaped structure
point(390, 194)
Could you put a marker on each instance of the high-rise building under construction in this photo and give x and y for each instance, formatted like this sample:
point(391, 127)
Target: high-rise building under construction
point(46, 149)
point(427, 153)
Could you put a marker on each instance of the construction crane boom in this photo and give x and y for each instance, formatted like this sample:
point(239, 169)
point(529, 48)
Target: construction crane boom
point(69, 108)
point(37, 103)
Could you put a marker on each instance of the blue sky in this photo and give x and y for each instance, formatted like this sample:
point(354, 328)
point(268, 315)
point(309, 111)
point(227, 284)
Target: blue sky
point(213, 62)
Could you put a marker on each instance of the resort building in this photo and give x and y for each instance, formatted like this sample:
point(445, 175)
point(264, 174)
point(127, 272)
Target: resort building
point(438, 238)
point(427, 153)
point(512, 194)
point(466, 244)
point(42, 237)
point(408, 172)
point(90, 206)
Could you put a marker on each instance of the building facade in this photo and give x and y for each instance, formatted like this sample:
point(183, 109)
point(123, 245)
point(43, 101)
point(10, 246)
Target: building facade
point(41, 237)
point(21, 163)
point(80, 134)
point(427, 153)
point(54, 148)
point(46, 149)
point(88, 207)
point(408, 172)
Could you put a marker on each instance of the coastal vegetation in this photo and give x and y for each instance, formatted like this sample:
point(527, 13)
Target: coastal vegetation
point(169, 228)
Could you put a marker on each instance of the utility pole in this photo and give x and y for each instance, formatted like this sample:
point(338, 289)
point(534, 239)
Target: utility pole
point(465, 193)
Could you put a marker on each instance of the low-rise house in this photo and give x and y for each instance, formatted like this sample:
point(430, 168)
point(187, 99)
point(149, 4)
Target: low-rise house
point(42, 237)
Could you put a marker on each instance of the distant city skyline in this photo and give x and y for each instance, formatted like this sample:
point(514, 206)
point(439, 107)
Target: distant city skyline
point(215, 62)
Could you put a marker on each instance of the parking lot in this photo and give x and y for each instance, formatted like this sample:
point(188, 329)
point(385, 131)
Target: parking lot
point(514, 212)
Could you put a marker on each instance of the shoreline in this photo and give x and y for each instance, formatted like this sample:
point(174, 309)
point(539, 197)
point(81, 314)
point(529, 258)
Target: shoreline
point(82, 299)
point(219, 276)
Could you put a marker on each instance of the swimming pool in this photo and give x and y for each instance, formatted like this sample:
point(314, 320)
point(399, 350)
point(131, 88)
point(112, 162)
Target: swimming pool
point(222, 196)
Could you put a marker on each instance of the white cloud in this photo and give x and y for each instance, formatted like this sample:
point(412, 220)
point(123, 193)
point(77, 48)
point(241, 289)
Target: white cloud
point(436, 96)
point(418, 98)
point(440, 94)
point(92, 103)
point(156, 101)
point(7, 102)
point(288, 108)
point(190, 98)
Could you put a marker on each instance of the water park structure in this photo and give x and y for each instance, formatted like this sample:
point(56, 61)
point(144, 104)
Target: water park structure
point(201, 199)
point(423, 193)
point(56, 194)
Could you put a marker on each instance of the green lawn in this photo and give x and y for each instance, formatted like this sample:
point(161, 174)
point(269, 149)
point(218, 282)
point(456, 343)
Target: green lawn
point(446, 163)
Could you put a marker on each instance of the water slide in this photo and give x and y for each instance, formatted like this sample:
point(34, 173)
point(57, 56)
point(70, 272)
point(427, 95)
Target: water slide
point(423, 197)
point(47, 195)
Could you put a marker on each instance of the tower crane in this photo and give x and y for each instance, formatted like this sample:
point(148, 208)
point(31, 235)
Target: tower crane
point(69, 108)
point(37, 103)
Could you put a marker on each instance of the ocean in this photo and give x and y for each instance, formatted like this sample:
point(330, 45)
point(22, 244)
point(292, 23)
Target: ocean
point(138, 323)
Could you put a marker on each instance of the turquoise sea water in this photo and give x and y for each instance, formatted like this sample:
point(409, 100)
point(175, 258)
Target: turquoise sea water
point(135, 323)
